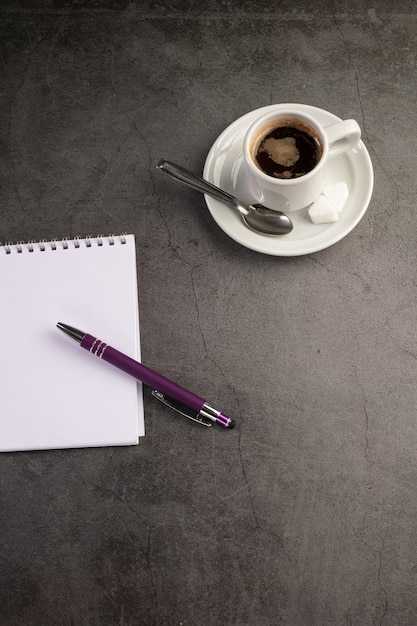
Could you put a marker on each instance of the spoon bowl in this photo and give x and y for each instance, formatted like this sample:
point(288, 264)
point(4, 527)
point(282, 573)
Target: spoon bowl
point(256, 216)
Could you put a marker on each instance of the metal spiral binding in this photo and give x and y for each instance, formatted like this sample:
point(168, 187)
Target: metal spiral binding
point(65, 243)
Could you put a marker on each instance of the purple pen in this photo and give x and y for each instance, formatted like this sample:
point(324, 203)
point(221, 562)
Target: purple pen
point(168, 392)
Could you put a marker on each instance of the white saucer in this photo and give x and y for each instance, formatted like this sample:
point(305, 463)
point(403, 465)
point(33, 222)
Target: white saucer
point(349, 179)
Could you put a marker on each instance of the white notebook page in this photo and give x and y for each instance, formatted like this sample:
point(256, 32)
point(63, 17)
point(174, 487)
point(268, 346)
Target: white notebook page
point(54, 394)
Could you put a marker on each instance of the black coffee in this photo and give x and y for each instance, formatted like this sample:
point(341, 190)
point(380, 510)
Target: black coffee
point(288, 150)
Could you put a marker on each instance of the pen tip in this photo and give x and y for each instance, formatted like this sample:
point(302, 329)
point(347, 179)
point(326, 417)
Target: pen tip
point(74, 333)
point(232, 423)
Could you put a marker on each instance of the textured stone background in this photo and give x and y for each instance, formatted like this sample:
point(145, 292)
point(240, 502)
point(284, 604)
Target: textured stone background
point(306, 513)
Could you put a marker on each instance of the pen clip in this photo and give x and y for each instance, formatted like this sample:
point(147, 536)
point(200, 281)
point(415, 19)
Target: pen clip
point(179, 408)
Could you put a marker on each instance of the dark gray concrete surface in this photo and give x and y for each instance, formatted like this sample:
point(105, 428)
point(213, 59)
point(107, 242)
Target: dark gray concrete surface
point(306, 513)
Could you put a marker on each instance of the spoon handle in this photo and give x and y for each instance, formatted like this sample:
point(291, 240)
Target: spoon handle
point(187, 177)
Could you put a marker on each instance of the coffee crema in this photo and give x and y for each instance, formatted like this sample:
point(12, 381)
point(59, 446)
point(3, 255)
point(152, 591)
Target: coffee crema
point(287, 148)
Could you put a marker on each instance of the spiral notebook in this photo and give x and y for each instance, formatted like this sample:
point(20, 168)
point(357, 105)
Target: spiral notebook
point(53, 393)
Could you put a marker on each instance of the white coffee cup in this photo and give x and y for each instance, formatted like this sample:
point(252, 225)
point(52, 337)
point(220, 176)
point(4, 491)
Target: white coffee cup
point(292, 194)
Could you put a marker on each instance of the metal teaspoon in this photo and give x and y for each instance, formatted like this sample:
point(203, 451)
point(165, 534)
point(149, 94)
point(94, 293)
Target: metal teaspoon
point(256, 216)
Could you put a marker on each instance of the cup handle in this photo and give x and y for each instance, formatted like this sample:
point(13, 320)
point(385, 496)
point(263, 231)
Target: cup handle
point(342, 136)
